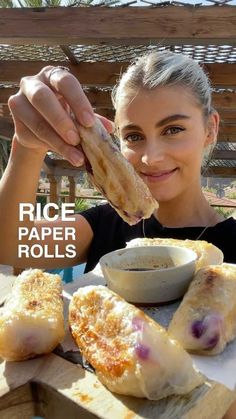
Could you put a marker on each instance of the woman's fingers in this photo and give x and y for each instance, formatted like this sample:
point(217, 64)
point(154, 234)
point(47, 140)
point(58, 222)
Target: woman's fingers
point(69, 87)
point(49, 104)
point(46, 103)
point(23, 135)
point(38, 134)
point(64, 83)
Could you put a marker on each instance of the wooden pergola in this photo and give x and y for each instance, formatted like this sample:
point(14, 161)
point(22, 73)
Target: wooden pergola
point(97, 44)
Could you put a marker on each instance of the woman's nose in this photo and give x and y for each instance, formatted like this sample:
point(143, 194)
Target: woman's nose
point(154, 152)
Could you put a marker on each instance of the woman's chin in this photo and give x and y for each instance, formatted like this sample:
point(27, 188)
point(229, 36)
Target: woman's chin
point(163, 195)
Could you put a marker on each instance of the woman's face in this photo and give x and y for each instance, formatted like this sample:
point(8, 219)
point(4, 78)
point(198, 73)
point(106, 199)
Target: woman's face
point(163, 135)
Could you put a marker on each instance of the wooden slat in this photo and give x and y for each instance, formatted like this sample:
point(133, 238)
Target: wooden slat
point(224, 100)
point(220, 172)
point(98, 98)
point(221, 75)
point(103, 73)
point(224, 155)
point(96, 74)
point(228, 115)
point(5, 112)
point(228, 130)
point(5, 93)
point(130, 25)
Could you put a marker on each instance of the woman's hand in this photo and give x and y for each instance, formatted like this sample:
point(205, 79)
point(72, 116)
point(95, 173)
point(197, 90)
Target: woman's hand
point(43, 112)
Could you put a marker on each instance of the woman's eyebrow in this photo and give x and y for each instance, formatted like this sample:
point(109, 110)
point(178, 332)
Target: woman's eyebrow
point(130, 126)
point(163, 121)
point(171, 118)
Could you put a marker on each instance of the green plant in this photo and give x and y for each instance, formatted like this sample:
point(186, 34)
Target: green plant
point(231, 195)
point(52, 3)
point(97, 193)
point(42, 200)
point(81, 205)
point(226, 212)
point(213, 190)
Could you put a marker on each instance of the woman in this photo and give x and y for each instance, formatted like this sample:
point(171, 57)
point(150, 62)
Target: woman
point(166, 125)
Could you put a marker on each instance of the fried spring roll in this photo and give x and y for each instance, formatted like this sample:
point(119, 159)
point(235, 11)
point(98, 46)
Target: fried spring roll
point(131, 353)
point(114, 176)
point(208, 253)
point(205, 320)
point(31, 321)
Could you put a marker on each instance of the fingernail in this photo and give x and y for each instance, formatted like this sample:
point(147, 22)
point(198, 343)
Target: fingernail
point(73, 137)
point(87, 119)
point(76, 158)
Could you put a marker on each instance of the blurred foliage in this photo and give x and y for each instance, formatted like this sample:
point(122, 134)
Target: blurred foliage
point(5, 148)
point(6, 3)
point(97, 193)
point(42, 200)
point(213, 190)
point(81, 205)
point(55, 3)
point(226, 212)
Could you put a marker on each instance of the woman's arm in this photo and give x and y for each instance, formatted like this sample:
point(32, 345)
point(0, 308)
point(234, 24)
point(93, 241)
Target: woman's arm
point(42, 112)
point(19, 185)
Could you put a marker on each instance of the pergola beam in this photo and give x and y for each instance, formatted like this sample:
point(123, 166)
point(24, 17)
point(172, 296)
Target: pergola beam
point(131, 25)
point(224, 155)
point(220, 172)
point(224, 100)
point(104, 73)
point(89, 74)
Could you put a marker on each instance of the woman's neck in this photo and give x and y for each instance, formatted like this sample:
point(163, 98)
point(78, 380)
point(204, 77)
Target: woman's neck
point(189, 210)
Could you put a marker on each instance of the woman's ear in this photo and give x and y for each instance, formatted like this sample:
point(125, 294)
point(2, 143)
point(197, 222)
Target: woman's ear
point(212, 128)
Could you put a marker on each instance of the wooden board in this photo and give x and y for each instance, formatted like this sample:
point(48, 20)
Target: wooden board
point(92, 26)
point(69, 381)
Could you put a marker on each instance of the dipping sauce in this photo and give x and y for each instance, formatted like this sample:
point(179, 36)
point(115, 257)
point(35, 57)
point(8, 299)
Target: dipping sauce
point(153, 268)
point(149, 274)
point(145, 264)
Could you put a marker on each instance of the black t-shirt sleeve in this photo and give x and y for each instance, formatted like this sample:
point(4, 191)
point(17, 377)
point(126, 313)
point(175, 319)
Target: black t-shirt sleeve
point(92, 216)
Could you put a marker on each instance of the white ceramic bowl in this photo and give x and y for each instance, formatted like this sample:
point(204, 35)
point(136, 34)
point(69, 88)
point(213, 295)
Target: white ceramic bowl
point(149, 274)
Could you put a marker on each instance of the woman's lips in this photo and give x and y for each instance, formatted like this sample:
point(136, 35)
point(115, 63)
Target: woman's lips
point(158, 176)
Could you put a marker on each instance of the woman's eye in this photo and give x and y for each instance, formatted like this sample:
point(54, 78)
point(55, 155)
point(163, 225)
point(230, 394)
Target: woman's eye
point(173, 130)
point(132, 138)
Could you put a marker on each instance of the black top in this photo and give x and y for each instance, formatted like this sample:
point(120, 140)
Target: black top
point(111, 233)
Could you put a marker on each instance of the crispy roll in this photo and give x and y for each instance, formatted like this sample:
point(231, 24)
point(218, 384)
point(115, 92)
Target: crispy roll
point(31, 321)
point(207, 253)
point(131, 353)
point(206, 319)
point(114, 176)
